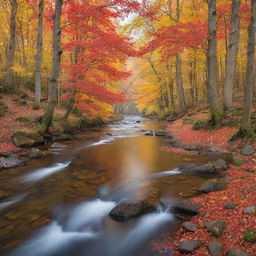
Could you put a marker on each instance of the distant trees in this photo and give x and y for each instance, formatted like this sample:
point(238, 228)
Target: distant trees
point(11, 47)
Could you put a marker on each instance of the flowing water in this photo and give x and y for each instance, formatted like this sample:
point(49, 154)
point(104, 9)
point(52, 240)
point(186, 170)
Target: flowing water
point(59, 205)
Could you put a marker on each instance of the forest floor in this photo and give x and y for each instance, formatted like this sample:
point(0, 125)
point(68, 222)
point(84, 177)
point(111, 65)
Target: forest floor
point(19, 114)
point(241, 190)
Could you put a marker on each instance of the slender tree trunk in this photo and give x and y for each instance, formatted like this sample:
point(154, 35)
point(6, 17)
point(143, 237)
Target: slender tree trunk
point(245, 129)
point(39, 52)
point(52, 87)
point(179, 78)
point(11, 47)
point(179, 84)
point(232, 54)
point(212, 64)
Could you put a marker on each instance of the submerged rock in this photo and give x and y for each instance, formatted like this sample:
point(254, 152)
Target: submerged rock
point(36, 153)
point(188, 246)
point(130, 209)
point(215, 248)
point(216, 227)
point(186, 208)
point(10, 162)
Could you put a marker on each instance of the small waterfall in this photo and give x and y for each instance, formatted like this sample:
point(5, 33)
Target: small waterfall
point(50, 241)
point(88, 215)
point(13, 201)
point(147, 228)
point(45, 172)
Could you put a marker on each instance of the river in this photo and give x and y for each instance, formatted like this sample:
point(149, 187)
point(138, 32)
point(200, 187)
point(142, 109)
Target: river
point(59, 205)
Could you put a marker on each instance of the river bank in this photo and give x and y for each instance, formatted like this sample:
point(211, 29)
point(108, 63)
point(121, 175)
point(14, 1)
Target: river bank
point(226, 221)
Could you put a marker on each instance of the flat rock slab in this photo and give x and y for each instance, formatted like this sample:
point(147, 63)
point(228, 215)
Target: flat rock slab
point(211, 186)
point(188, 246)
point(10, 162)
point(189, 226)
point(186, 208)
point(130, 209)
point(236, 252)
point(215, 248)
point(216, 227)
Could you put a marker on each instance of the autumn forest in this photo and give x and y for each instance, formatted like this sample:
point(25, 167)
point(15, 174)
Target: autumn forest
point(130, 124)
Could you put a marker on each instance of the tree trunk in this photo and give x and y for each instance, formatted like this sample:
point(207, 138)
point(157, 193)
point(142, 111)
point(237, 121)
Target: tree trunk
point(179, 84)
point(232, 54)
point(212, 64)
point(39, 50)
point(52, 87)
point(245, 129)
point(11, 48)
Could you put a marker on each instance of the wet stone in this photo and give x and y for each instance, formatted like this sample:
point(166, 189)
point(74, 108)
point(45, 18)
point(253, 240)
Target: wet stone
point(188, 246)
point(236, 252)
point(189, 226)
point(215, 248)
point(211, 186)
point(247, 150)
point(216, 227)
point(250, 210)
point(230, 205)
point(186, 208)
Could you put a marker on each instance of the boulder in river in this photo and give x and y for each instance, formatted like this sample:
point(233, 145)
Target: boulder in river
point(36, 153)
point(10, 162)
point(236, 252)
point(129, 209)
point(211, 186)
point(188, 246)
point(25, 138)
point(215, 248)
point(216, 227)
point(186, 208)
point(200, 169)
point(221, 165)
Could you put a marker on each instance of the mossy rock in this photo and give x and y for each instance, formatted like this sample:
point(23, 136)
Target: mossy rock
point(189, 121)
point(73, 125)
point(27, 138)
point(237, 161)
point(250, 235)
point(3, 108)
point(199, 124)
point(27, 120)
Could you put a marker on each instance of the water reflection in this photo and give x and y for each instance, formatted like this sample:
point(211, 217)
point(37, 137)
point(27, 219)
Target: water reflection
point(62, 197)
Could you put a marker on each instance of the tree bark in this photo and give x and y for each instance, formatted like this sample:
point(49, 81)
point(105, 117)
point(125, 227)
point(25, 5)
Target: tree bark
point(245, 129)
point(52, 87)
point(212, 64)
point(39, 52)
point(179, 78)
point(179, 84)
point(232, 54)
point(11, 48)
